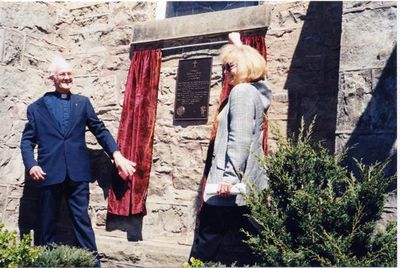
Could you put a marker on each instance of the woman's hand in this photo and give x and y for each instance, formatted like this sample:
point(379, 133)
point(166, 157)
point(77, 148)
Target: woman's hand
point(234, 38)
point(224, 189)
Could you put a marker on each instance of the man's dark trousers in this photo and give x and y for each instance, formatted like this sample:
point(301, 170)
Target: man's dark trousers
point(76, 195)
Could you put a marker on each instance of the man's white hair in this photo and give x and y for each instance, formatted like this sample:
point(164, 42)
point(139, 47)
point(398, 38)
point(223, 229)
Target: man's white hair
point(57, 63)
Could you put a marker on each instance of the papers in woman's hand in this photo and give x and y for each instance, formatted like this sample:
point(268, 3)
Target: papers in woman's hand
point(211, 189)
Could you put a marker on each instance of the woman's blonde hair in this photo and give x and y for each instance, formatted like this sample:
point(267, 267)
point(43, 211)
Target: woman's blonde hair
point(251, 66)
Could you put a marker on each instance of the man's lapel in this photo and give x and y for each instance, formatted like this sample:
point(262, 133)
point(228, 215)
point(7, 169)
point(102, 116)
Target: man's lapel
point(75, 105)
point(45, 112)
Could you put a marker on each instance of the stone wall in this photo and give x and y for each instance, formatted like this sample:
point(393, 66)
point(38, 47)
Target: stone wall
point(366, 109)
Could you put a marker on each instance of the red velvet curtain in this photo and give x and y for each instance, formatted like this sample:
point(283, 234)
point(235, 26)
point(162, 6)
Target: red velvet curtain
point(256, 41)
point(136, 131)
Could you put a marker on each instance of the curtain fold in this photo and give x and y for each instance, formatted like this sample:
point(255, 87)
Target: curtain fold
point(256, 41)
point(135, 134)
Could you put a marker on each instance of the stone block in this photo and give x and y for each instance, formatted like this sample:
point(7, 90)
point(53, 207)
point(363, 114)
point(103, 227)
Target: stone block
point(84, 85)
point(41, 16)
point(3, 197)
point(133, 12)
point(367, 101)
point(119, 36)
point(184, 178)
point(2, 40)
point(160, 185)
point(374, 42)
point(164, 220)
point(278, 111)
point(101, 216)
point(106, 93)
point(117, 63)
point(355, 90)
point(87, 64)
point(38, 53)
point(288, 15)
point(12, 170)
point(13, 46)
point(358, 6)
point(10, 218)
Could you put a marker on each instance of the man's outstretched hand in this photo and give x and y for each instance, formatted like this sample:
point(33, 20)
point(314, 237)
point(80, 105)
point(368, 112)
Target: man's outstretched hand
point(125, 167)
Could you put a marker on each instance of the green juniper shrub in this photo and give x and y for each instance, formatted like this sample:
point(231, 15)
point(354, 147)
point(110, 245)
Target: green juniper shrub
point(65, 256)
point(198, 263)
point(315, 213)
point(15, 252)
point(20, 253)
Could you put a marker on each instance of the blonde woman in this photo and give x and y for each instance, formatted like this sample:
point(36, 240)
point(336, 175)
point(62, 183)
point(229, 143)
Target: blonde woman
point(238, 142)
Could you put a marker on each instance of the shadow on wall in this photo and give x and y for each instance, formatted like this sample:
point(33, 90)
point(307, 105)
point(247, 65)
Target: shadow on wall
point(104, 171)
point(374, 137)
point(29, 210)
point(312, 81)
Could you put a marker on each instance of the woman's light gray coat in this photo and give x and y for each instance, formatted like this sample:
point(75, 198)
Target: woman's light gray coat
point(239, 140)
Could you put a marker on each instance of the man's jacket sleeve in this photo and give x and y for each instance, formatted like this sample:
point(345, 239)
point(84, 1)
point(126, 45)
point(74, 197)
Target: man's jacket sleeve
point(28, 141)
point(97, 127)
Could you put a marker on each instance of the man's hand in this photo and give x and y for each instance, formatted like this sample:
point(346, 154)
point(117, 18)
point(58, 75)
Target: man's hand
point(37, 173)
point(224, 189)
point(125, 167)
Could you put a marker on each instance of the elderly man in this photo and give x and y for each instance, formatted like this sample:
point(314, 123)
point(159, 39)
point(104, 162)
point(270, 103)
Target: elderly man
point(56, 124)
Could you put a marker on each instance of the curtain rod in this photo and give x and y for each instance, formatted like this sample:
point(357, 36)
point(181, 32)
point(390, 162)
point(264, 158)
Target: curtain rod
point(184, 46)
point(195, 45)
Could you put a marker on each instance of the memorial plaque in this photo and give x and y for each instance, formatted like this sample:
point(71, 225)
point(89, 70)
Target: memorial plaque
point(193, 89)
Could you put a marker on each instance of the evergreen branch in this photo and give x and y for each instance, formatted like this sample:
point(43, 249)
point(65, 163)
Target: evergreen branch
point(357, 219)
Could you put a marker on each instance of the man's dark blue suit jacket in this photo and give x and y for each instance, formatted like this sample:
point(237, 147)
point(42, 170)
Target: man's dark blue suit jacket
point(61, 153)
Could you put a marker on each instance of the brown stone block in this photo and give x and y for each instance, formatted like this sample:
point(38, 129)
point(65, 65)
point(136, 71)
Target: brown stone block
point(160, 185)
point(3, 197)
point(163, 220)
point(117, 36)
point(105, 94)
point(357, 6)
point(10, 218)
point(128, 13)
point(38, 53)
point(2, 40)
point(97, 196)
point(12, 204)
point(279, 106)
point(18, 90)
point(12, 169)
point(116, 63)
point(285, 15)
point(101, 217)
point(13, 48)
point(184, 178)
point(34, 18)
point(84, 85)
point(87, 64)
